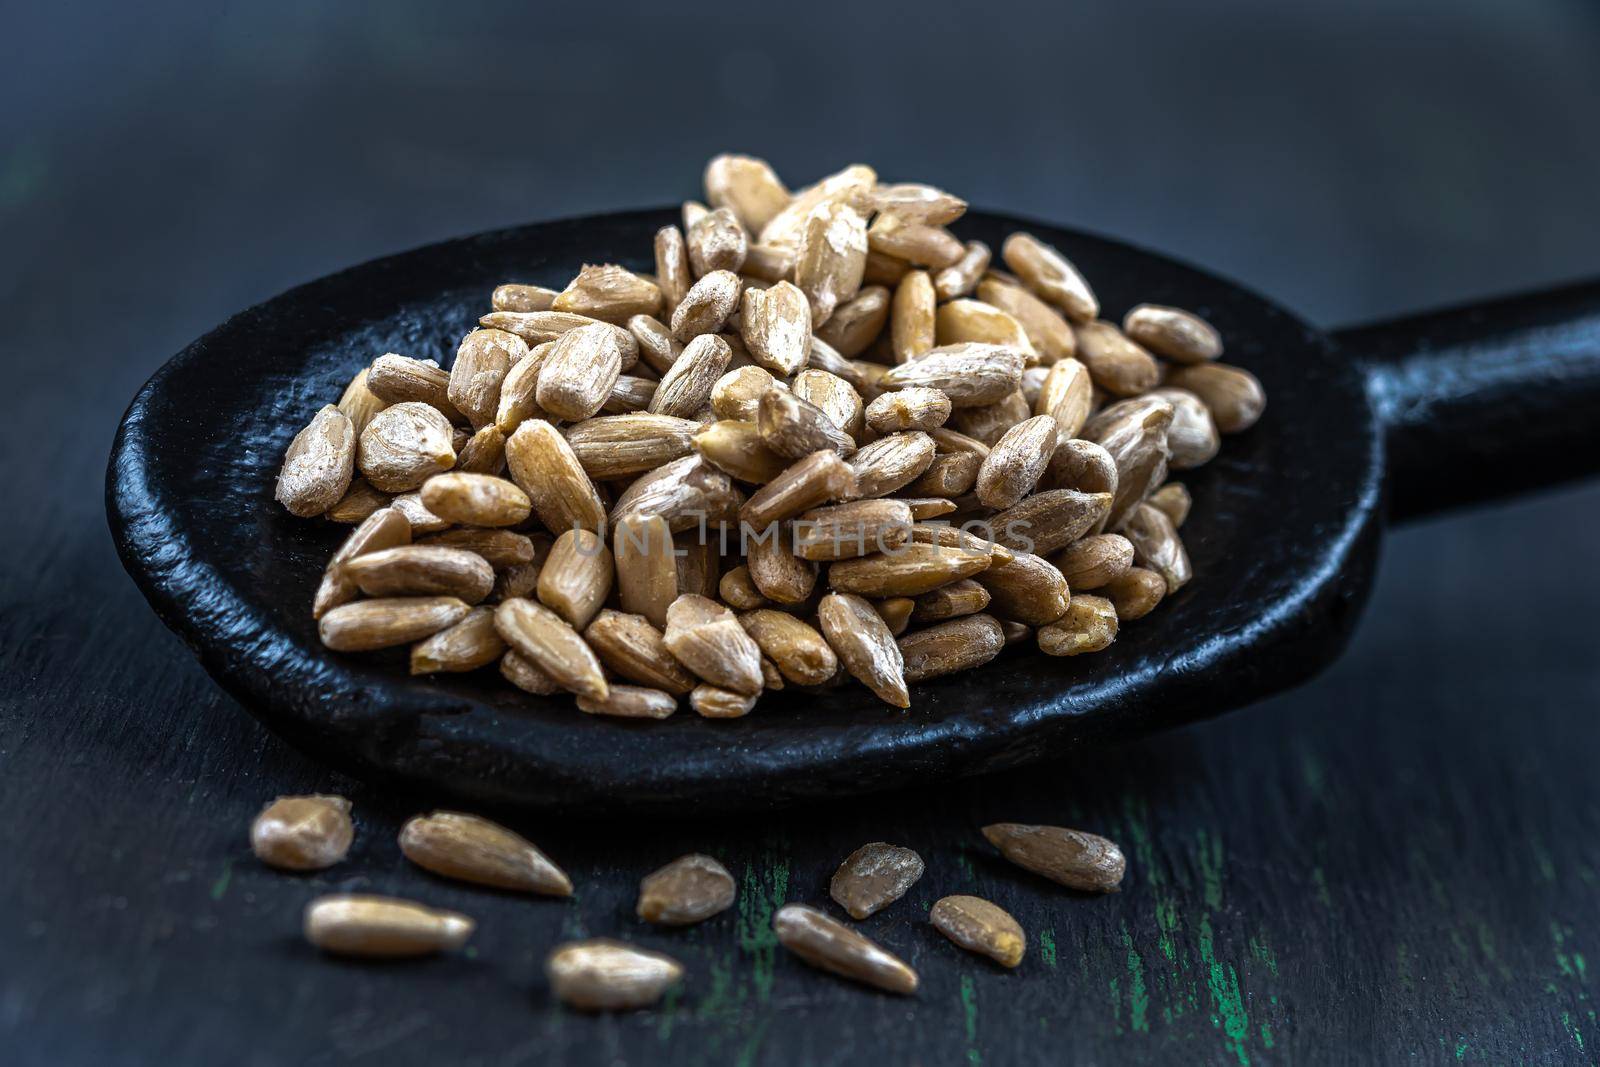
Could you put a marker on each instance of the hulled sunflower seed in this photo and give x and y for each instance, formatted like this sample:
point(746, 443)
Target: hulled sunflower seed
point(688, 890)
point(874, 876)
point(1067, 396)
point(613, 446)
point(794, 427)
point(916, 243)
point(632, 647)
point(353, 924)
point(1082, 465)
point(1233, 394)
point(544, 466)
point(917, 203)
point(1016, 462)
point(1157, 546)
point(909, 570)
point(475, 499)
point(384, 528)
point(972, 320)
point(1091, 562)
point(1049, 333)
point(716, 241)
point(527, 675)
point(1173, 499)
point(775, 324)
point(800, 653)
point(522, 298)
point(961, 277)
point(318, 465)
point(502, 549)
point(895, 613)
point(1026, 589)
point(1135, 593)
point(735, 446)
point(631, 702)
point(989, 422)
point(706, 306)
point(830, 945)
point(484, 452)
point(780, 575)
point(913, 316)
point(422, 570)
point(1073, 858)
point(647, 569)
point(737, 394)
point(714, 702)
point(519, 390)
point(609, 293)
point(395, 379)
point(850, 186)
point(830, 258)
point(965, 597)
point(1134, 434)
point(859, 637)
point(857, 322)
point(946, 440)
point(473, 849)
point(658, 349)
point(853, 529)
point(687, 492)
point(915, 408)
point(1048, 273)
point(979, 926)
point(417, 514)
point(1090, 625)
point(404, 445)
point(1117, 365)
point(739, 591)
point(927, 507)
point(540, 327)
point(576, 578)
point(957, 645)
point(970, 374)
point(687, 386)
point(891, 463)
point(748, 187)
point(604, 975)
point(769, 263)
point(543, 637)
point(818, 478)
point(303, 833)
point(950, 475)
point(468, 645)
point(831, 395)
point(673, 276)
point(705, 637)
point(579, 371)
point(482, 363)
point(1172, 333)
point(630, 395)
point(1053, 519)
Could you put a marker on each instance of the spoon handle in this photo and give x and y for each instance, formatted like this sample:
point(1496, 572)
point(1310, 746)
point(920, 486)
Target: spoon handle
point(1485, 400)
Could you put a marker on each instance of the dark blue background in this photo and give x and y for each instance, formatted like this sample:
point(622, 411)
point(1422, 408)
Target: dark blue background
point(1410, 841)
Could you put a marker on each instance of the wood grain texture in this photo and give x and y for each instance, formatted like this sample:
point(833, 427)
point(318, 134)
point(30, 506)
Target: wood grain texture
point(1396, 864)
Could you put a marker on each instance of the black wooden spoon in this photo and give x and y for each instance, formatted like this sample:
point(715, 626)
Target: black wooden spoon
point(1362, 426)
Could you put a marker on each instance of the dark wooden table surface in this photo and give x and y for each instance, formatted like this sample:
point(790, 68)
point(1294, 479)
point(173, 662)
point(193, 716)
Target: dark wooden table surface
point(1397, 862)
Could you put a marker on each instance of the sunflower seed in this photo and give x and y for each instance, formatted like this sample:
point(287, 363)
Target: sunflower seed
point(857, 322)
point(688, 890)
point(775, 324)
point(1073, 858)
point(780, 575)
point(716, 242)
point(735, 446)
point(853, 529)
point(1050, 520)
point(609, 293)
point(918, 244)
point(961, 277)
point(1090, 625)
point(830, 258)
point(850, 186)
point(706, 306)
point(631, 702)
point(473, 849)
point(831, 395)
point(304, 833)
point(989, 422)
point(705, 637)
point(421, 570)
point(1082, 465)
point(1049, 333)
point(748, 187)
point(957, 645)
point(895, 613)
point(1092, 562)
point(863, 643)
point(800, 653)
point(519, 390)
point(830, 945)
point(352, 924)
point(384, 528)
point(769, 263)
point(686, 493)
point(874, 876)
point(604, 975)
point(794, 427)
point(1049, 274)
point(915, 408)
point(613, 446)
point(404, 445)
point(1233, 394)
point(359, 403)
point(544, 466)
point(913, 316)
point(579, 371)
point(979, 926)
point(687, 386)
point(417, 514)
point(737, 394)
point(739, 591)
point(970, 374)
point(539, 327)
point(1026, 589)
point(713, 702)
point(475, 499)
point(522, 298)
point(909, 570)
point(527, 675)
point(576, 578)
point(318, 465)
point(544, 638)
point(1135, 593)
point(1172, 333)
point(1067, 396)
point(1157, 546)
point(397, 380)
point(949, 475)
point(972, 320)
point(1016, 462)
point(468, 645)
point(891, 463)
point(1173, 499)
point(965, 597)
point(484, 452)
point(482, 363)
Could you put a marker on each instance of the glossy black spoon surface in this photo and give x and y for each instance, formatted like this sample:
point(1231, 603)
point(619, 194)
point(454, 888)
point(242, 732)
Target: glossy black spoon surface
point(1283, 534)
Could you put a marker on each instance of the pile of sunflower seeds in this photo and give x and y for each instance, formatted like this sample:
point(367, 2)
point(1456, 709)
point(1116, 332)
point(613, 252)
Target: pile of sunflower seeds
point(824, 440)
point(303, 833)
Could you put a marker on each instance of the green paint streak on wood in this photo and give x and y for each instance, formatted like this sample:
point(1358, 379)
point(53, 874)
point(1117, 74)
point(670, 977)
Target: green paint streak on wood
point(752, 1044)
point(1263, 952)
point(1266, 1036)
point(762, 891)
point(1168, 923)
point(969, 1012)
point(720, 998)
point(220, 886)
point(1138, 994)
point(1047, 946)
point(668, 1016)
point(965, 863)
point(1461, 1049)
point(1209, 859)
point(1320, 880)
point(1115, 986)
point(1572, 1031)
point(1137, 814)
point(1227, 1003)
